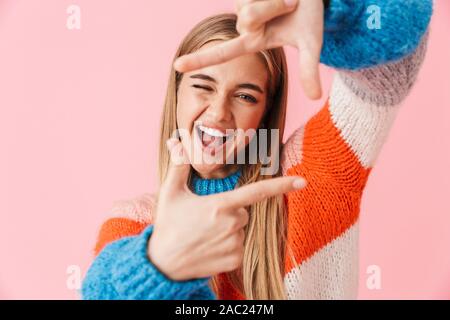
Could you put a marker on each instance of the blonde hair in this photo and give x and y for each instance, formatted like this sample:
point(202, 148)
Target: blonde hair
point(261, 273)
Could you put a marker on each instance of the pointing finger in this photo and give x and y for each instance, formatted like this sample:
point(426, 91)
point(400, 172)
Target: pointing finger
point(217, 54)
point(258, 191)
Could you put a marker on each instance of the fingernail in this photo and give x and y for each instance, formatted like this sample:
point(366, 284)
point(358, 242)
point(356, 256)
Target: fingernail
point(299, 183)
point(179, 64)
point(290, 3)
point(176, 65)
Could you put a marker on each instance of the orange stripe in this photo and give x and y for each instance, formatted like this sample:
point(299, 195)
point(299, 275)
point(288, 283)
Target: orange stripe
point(226, 289)
point(116, 228)
point(330, 203)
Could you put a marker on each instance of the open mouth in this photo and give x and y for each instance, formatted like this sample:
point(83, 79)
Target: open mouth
point(212, 139)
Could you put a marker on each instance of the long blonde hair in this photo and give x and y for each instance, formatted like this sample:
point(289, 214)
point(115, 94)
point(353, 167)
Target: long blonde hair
point(261, 273)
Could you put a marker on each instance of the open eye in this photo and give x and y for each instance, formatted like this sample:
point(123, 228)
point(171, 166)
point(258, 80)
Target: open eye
point(247, 97)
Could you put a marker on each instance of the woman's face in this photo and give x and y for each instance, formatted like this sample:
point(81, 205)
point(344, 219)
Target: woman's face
point(215, 101)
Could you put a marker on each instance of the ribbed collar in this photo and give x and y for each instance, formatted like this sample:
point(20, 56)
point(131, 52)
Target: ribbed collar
point(204, 187)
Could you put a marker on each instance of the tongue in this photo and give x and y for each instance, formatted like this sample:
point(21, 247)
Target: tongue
point(210, 140)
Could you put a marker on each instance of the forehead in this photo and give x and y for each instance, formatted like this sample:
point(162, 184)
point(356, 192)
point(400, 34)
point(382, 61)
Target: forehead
point(245, 68)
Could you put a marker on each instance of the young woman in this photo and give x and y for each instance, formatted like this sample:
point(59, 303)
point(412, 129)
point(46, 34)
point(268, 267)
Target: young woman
point(231, 231)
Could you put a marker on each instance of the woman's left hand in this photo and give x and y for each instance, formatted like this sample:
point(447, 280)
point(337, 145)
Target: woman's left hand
point(266, 24)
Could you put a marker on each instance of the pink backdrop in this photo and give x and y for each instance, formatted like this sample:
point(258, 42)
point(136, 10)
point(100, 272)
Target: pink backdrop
point(78, 129)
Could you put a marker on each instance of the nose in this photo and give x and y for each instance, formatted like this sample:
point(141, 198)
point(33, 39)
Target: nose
point(219, 110)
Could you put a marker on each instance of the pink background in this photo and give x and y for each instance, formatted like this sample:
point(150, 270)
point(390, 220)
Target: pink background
point(79, 125)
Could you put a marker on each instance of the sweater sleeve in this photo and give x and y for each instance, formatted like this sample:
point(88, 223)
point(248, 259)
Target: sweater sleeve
point(376, 69)
point(122, 271)
point(366, 33)
point(337, 148)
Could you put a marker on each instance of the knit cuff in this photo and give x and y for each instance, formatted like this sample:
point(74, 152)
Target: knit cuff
point(352, 41)
point(341, 13)
point(135, 277)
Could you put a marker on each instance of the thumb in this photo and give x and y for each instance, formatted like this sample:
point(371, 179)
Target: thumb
point(179, 167)
point(254, 14)
point(309, 72)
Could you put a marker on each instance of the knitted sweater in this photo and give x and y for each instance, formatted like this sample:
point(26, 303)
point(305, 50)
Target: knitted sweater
point(335, 151)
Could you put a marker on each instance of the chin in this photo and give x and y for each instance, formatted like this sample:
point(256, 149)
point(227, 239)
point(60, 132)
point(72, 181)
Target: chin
point(207, 171)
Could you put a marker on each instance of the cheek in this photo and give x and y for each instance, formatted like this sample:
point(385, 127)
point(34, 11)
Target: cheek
point(248, 118)
point(188, 109)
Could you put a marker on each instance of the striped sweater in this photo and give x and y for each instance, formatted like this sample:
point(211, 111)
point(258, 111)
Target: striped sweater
point(335, 151)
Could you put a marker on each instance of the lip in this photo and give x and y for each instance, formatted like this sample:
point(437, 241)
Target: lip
point(212, 126)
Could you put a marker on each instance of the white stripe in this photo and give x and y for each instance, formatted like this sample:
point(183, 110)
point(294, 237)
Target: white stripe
point(331, 273)
point(364, 126)
point(138, 209)
point(293, 150)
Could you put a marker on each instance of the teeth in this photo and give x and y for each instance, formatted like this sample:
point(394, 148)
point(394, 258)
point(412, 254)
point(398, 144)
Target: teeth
point(213, 132)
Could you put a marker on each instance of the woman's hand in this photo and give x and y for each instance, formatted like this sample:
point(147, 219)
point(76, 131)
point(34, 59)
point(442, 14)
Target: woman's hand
point(266, 24)
point(200, 236)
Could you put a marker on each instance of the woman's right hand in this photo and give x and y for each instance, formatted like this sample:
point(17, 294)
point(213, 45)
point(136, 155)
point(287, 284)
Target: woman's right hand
point(266, 24)
point(201, 236)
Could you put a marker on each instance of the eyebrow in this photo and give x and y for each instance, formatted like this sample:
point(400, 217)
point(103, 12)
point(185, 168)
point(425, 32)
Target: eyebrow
point(250, 86)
